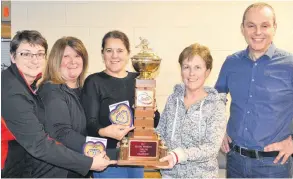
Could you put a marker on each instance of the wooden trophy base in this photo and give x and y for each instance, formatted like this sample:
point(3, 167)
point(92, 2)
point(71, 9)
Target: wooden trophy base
point(142, 151)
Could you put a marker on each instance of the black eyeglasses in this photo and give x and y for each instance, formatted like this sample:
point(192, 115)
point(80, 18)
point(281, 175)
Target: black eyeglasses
point(28, 55)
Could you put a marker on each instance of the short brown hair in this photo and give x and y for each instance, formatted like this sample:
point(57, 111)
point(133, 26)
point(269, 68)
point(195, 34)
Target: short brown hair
point(52, 72)
point(27, 36)
point(258, 5)
point(197, 49)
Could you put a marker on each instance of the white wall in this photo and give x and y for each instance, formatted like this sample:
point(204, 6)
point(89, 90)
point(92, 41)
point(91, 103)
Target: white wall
point(169, 27)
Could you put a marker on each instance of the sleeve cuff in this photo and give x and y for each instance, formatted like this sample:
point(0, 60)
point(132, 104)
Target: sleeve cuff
point(182, 157)
point(174, 157)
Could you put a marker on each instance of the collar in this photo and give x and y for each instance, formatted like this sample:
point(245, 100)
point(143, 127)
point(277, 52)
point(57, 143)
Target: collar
point(21, 77)
point(49, 86)
point(269, 53)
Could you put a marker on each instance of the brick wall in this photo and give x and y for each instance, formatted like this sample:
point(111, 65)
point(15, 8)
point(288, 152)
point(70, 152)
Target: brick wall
point(169, 26)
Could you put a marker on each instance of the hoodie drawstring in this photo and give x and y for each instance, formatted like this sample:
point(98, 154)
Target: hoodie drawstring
point(176, 116)
point(175, 119)
point(200, 117)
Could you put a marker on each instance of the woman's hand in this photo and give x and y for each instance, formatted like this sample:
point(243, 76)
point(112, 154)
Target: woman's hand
point(101, 161)
point(115, 131)
point(170, 159)
point(118, 145)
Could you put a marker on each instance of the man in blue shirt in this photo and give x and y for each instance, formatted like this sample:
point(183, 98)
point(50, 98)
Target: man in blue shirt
point(260, 81)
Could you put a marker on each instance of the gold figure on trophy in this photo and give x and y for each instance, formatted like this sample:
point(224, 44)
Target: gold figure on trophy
point(144, 43)
point(145, 62)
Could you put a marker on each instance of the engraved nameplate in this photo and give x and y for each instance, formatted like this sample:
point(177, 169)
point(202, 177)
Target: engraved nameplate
point(143, 149)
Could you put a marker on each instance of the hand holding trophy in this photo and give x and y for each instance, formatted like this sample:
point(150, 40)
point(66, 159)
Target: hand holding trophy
point(115, 131)
point(101, 161)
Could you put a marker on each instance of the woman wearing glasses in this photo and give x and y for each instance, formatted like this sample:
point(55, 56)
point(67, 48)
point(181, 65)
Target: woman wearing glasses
point(33, 153)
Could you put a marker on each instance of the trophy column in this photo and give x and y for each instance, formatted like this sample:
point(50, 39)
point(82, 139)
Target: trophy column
point(143, 147)
point(144, 109)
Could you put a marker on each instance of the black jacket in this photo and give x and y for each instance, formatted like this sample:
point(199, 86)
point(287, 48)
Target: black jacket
point(64, 119)
point(29, 156)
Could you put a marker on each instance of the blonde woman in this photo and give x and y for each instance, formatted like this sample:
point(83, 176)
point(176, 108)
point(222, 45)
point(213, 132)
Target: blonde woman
point(60, 92)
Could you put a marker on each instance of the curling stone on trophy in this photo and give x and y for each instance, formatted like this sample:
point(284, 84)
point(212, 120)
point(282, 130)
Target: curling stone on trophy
point(143, 147)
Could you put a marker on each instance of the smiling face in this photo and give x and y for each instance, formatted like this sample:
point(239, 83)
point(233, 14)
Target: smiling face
point(194, 73)
point(71, 65)
point(259, 29)
point(30, 60)
point(115, 56)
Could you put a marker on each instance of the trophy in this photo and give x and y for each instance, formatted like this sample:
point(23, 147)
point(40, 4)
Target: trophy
point(143, 147)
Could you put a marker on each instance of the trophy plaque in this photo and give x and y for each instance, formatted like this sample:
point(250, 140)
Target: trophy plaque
point(143, 147)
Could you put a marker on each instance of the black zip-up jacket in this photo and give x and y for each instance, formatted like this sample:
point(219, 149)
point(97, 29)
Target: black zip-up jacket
point(64, 116)
point(33, 154)
point(64, 119)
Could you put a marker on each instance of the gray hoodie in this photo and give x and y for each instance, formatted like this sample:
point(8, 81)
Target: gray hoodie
point(195, 135)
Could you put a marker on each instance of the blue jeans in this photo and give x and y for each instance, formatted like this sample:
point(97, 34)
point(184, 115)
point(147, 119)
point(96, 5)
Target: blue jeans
point(120, 172)
point(244, 167)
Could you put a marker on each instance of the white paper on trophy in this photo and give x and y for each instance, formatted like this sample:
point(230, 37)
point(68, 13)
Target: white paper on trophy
point(144, 98)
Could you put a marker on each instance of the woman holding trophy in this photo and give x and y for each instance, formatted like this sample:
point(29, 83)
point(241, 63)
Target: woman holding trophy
point(193, 122)
point(104, 93)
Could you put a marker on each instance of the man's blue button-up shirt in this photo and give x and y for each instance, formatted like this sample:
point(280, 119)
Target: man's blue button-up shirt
point(261, 109)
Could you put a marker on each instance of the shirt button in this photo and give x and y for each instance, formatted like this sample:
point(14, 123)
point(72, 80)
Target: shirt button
point(252, 80)
point(255, 64)
point(250, 96)
point(248, 112)
point(246, 129)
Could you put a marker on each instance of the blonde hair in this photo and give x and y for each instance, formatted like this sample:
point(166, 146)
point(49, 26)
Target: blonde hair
point(197, 49)
point(52, 71)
